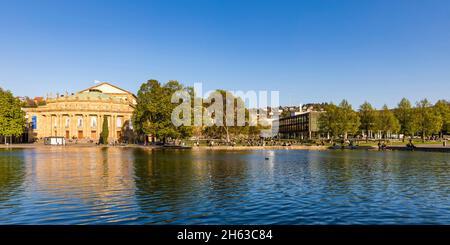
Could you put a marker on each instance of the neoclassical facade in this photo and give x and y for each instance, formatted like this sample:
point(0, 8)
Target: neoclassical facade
point(80, 115)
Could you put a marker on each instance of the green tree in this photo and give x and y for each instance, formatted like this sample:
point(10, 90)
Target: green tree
point(105, 131)
point(232, 131)
point(404, 114)
point(152, 115)
point(339, 120)
point(427, 119)
point(146, 114)
point(387, 122)
point(442, 107)
point(183, 131)
point(327, 121)
point(348, 119)
point(368, 117)
point(12, 118)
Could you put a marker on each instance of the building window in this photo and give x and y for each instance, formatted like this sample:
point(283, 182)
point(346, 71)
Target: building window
point(34, 122)
point(67, 122)
point(93, 122)
point(119, 122)
point(79, 122)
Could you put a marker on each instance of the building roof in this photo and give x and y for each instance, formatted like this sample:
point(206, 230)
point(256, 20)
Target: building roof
point(92, 95)
point(107, 88)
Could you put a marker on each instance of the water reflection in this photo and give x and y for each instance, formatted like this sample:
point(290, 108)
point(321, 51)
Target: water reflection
point(95, 185)
point(12, 173)
point(162, 176)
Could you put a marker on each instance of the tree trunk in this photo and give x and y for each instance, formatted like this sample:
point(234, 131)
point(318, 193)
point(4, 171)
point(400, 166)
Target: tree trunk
point(228, 135)
point(367, 136)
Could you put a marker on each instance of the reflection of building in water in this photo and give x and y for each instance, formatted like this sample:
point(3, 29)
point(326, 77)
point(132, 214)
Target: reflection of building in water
point(81, 115)
point(85, 173)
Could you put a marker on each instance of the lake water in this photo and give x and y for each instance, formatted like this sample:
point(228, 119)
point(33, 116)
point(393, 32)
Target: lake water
point(83, 185)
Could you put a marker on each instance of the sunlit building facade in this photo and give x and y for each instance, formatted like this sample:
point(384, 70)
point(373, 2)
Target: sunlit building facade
point(80, 116)
point(303, 125)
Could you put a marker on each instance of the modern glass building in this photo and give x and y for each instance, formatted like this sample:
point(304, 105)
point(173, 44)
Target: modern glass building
point(303, 125)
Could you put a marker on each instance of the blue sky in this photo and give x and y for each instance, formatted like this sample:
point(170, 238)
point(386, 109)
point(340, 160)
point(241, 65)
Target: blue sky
point(311, 51)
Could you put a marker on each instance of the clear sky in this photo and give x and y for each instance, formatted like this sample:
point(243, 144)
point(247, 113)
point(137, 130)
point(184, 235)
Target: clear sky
point(311, 51)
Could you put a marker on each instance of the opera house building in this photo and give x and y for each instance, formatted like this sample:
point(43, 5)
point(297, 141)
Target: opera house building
point(79, 116)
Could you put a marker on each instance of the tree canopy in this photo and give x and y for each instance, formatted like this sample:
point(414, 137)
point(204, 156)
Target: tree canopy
point(368, 117)
point(424, 119)
point(404, 114)
point(12, 118)
point(238, 124)
point(442, 108)
point(339, 120)
point(386, 121)
point(427, 120)
point(152, 115)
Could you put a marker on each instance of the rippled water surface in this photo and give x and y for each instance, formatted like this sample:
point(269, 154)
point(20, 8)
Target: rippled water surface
point(52, 185)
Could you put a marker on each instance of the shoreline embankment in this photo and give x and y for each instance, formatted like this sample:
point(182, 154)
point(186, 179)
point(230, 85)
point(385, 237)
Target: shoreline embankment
point(424, 147)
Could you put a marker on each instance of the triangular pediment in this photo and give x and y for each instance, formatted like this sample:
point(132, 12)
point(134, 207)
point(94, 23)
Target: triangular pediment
point(106, 88)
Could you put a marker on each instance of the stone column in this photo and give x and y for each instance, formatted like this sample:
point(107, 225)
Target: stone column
point(99, 125)
point(113, 126)
point(61, 125)
point(42, 125)
point(55, 125)
point(73, 125)
point(52, 124)
point(69, 117)
point(48, 126)
point(86, 126)
point(48, 123)
point(58, 124)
